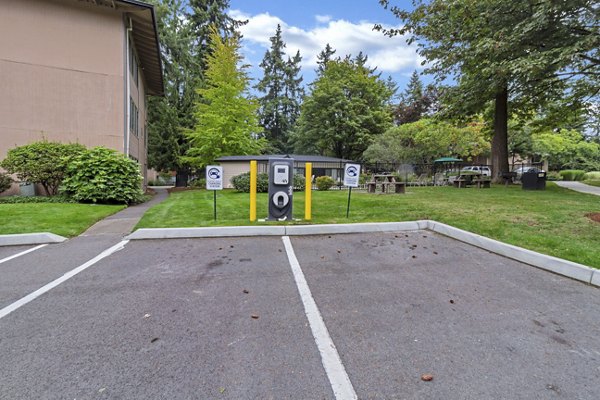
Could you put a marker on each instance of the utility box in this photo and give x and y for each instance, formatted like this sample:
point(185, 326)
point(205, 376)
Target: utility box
point(281, 183)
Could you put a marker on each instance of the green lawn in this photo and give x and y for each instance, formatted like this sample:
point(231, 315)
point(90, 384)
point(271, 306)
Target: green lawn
point(551, 221)
point(592, 183)
point(63, 219)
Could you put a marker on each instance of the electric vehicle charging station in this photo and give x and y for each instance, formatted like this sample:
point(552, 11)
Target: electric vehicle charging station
point(281, 175)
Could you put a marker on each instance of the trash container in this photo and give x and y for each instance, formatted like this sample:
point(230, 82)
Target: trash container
point(27, 189)
point(533, 180)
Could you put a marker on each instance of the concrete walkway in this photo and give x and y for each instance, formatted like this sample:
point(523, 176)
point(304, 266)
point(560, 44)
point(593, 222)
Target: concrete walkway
point(579, 187)
point(123, 222)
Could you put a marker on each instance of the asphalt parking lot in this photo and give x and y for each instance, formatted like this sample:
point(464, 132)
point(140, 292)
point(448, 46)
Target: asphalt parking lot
point(230, 318)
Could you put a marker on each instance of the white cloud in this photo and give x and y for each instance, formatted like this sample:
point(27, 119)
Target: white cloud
point(323, 19)
point(389, 55)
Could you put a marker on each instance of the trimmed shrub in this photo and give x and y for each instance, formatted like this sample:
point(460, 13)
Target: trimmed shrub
point(198, 183)
point(5, 182)
point(101, 175)
point(41, 162)
point(572, 174)
point(324, 182)
point(364, 178)
point(592, 176)
point(241, 183)
point(299, 182)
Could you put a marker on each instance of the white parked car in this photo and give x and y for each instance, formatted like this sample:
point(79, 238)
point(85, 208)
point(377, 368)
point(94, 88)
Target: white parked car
point(480, 169)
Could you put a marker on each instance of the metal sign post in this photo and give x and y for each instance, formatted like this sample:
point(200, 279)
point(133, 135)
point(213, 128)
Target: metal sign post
point(214, 182)
point(351, 177)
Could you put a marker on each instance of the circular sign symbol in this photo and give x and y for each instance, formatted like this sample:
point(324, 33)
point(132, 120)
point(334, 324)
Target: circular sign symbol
point(213, 173)
point(352, 171)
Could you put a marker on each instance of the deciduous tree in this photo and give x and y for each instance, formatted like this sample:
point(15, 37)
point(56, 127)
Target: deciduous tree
point(525, 52)
point(227, 118)
point(347, 107)
point(425, 140)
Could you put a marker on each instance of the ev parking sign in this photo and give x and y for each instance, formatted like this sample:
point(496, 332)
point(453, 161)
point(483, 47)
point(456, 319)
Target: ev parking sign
point(214, 177)
point(351, 175)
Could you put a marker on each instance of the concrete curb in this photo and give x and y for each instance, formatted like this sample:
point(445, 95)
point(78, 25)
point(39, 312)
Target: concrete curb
point(328, 229)
point(559, 266)
point(30, 238)
point(556, 265)
point(224, 231)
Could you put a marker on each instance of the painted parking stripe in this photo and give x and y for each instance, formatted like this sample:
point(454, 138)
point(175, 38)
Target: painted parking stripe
point(338, 378)
point(32, 296)
point(22, 253)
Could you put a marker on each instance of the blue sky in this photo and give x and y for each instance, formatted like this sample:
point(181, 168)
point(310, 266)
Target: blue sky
point(309, 25)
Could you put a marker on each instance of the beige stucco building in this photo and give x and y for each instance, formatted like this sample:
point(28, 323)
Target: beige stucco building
point(78, 71)
point(321, 165)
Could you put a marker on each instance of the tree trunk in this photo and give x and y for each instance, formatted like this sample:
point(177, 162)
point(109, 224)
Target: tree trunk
point(181, 178)
point(500, 139)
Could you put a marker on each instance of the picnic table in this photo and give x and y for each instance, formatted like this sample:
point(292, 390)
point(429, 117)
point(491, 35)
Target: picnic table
point(466, 178)
point(386, 181)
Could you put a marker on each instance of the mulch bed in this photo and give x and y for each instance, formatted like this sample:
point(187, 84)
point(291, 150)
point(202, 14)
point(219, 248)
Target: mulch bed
point(594, 216)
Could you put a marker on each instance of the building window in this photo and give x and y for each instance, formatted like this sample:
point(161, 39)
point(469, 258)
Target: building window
point(134, 116)
point(133, 63)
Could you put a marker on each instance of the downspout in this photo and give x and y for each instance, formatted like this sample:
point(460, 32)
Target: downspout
point(127, 87)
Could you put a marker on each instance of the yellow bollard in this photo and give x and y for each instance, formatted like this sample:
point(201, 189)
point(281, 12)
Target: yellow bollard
point(308, 192)
point(253, 171)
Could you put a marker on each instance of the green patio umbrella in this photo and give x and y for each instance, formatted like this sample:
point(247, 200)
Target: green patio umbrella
point(447, 160)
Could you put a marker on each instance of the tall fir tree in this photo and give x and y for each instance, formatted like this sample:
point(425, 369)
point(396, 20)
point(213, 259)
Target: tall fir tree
point(415, 102)
point(203, 15)
point(281, 84)
point(323, 58)
point(168, 116)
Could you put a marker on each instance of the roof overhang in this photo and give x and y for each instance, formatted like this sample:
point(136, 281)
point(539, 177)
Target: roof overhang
point(145, 36)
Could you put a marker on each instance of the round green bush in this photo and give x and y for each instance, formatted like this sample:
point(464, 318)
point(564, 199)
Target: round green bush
point(324, 182)
point(101, 175)
point(41, 162)
point(299, 182)
point(241, 183)
point(5, 182)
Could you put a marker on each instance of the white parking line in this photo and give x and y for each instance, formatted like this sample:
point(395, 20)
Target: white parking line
point(22, 253)
point(338, 378)
point(32, 296)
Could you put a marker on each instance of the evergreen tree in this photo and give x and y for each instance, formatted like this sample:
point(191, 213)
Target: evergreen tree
point(323, 58)
point(227, 118)
point(415, 102)
point(280, 106)
point(168, 116)
point(294, 91)
point(202, 16)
